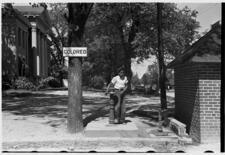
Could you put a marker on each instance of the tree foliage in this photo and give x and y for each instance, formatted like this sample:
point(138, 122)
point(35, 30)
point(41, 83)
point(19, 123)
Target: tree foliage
point(100, 59)
point(58, 35)
point(59, 30)
point(114, 22)
point(123, 31)
point(146, 79)
point(115, 33)
point(179, 29)
point(135, 80)
point(153, 71)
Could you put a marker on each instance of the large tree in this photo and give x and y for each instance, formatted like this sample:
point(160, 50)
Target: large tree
point(135, 80)
point(131, 29)
point(117, 23)
point(172, 32)
point(77, 16)
point(162, 67)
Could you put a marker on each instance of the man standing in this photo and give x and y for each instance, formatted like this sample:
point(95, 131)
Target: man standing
point(119, 84)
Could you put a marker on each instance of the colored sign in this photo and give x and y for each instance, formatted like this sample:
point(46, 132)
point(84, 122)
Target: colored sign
point(75, 51)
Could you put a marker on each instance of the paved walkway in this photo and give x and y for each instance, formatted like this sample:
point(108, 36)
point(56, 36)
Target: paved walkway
point(37, 122)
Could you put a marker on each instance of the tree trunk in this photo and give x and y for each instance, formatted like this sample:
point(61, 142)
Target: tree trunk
point(129, 50)
point(128, 69)
point(161, 59)
point(126, 58)
point(78, 14)
point(75, 121)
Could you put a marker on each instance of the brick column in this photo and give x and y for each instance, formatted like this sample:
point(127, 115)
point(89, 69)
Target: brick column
point(209, 110)
point(205, 124)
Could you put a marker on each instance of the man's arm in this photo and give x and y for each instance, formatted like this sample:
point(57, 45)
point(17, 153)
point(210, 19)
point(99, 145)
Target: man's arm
point(107, 90)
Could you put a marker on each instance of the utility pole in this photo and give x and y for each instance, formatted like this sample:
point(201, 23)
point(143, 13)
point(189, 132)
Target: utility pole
point(161, 64)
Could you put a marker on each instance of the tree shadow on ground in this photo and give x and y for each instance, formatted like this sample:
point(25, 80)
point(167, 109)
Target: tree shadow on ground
point(55, 106)
point(149, 111)
point(101, 112)
point(45, 105)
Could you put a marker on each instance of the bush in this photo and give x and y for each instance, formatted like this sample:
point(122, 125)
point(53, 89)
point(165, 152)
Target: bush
point(48, 82)
point(23, 83)
point(63, 73)
point(97, 82)
point(6, 82)
point(5, 86)
point(54, 83)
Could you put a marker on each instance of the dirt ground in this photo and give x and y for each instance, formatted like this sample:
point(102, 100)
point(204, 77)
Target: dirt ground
point(40, 117)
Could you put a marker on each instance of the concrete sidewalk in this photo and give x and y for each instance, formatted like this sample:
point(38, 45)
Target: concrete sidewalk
point(37, 122)
point(134, 136)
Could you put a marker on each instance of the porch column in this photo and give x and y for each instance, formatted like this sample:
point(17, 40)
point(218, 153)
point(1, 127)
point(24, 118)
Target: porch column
point(34, 35)
point(38, 53)
point(34, 48)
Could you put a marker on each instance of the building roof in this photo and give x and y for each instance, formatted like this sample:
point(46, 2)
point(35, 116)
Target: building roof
point(206, 49)
point(37, 12)
point(29, 10)
point(21, 17)
point(16, 14)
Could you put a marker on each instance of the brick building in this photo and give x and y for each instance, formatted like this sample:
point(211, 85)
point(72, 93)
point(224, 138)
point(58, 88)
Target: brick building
point(197, 87)
point(24, 42)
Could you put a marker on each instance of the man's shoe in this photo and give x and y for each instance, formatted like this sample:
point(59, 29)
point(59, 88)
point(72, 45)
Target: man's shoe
point(121, 121)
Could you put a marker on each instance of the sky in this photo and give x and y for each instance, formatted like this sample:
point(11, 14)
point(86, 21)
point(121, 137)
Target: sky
point(208, 14)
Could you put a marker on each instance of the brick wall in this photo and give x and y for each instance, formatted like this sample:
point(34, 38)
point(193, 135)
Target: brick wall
point(209, 91)
point(197, 99)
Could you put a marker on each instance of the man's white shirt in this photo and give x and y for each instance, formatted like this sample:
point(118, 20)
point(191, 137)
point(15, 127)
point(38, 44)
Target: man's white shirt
point(118, 82)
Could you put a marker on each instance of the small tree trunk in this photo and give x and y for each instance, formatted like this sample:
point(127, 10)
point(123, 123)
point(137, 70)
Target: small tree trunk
point(128, 70)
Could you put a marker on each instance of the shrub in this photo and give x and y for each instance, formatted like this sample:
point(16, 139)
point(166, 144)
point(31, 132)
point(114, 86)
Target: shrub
point(48, 82)
point(63, 73)
point(54, 83)
point(97, 82)
point(6, 82)
point(5, 86)
point(23, 83)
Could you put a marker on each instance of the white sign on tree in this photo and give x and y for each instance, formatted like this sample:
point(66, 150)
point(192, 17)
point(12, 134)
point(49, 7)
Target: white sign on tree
point(75, 51)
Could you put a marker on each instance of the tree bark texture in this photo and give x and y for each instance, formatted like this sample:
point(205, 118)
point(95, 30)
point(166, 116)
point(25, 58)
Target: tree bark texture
point(128, 50)
point(126, 58)
point(162, 72)
point(77, 17)
point(75, 120)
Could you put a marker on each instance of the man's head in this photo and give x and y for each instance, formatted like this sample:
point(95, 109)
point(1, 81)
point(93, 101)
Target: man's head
point(121, 72)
